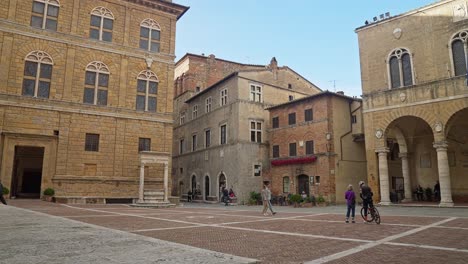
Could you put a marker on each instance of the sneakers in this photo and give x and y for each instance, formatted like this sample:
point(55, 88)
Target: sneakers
point(352, 221)
point(347, 220)
point(274, 213)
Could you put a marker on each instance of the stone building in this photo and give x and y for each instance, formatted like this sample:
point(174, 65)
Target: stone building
point(86, 92)
point(221, 137)
point(415, 101)
point(317, 146)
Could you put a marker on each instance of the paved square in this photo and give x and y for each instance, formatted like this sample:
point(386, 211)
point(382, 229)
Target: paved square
point(294, 235)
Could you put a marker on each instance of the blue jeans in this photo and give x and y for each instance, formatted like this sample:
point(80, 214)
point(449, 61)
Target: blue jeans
point(270, 206)
point(351, 208)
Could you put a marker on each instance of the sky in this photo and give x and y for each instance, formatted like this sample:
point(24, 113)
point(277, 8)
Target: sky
point(315, 38)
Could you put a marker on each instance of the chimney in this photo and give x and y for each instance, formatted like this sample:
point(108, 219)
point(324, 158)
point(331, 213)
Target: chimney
point(274, 67)
point(340, 92)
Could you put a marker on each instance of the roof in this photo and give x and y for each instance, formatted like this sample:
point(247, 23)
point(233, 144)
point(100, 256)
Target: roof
point(409, 13)
point(164, 6)
point(314, 96)
point(206, 57)
point(211, 87)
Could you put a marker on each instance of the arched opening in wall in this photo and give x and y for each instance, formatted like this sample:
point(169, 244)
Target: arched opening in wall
point(303, 184)
point(222, 184)
point(194, 184)
point(457, 153)
point(412, 159)
point(207, 187)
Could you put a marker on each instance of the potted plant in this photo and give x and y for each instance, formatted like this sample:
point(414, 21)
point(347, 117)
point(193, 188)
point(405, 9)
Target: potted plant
point(295, 199)
point(48, 195)
point(320, 201)
point(5, 191)
point(428, 193)
point(255, 198)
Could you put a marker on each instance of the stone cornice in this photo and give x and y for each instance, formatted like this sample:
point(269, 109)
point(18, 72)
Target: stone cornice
point(163, 6)
point(19, 29)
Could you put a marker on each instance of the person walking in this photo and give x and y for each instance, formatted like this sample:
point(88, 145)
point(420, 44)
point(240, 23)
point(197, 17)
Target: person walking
point(366, 196)
point(351, 202)
point(437, 191)
point(266, 198)
point(1, 194)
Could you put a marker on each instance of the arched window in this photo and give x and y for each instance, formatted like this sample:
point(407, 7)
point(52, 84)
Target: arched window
point(150, 33)
point(37, 74)
point(286, 184)
point(102, 22)
point(45, 14)
point(147, 91)
point(401, 70)
point(96, 83)
point(459, 51)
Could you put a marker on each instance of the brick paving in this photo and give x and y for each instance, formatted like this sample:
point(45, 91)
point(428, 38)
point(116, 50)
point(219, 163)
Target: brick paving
point(292, 236)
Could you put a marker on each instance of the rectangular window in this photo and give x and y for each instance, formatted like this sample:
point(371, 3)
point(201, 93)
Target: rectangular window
point(96, 86)
point(255, 131)
point(292, 149)
point(309, 147)
point(208, 105)
point(289, 86)
point(195, 111)
point(223, 134)
point(207, 138)
point(101, 28)
point(275, 122)
point(255, 93)
point(92, 142)
point(194, 142)
point(144, 144)
point(354, 119)
point(292, 119)
point(181, 146)
point(37, 79)
point(149, 38)
point(291, 97)
point(45, 15)
point(257, 170)
point(182, 118)
point(285, 184)
point(146, 99)
point(276, 151)
point(309, 115)
point(223, 98)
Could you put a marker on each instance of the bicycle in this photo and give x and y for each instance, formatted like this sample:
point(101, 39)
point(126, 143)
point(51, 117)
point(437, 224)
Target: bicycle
point(373, 213)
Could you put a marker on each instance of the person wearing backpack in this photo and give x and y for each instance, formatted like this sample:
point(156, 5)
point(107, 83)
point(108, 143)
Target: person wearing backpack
point(351, 203)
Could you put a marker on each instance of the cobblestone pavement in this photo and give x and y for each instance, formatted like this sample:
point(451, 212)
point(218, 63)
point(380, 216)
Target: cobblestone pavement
point(294, 235)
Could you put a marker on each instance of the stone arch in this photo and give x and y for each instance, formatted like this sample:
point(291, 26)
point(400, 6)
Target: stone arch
point(193, 182)
point(206, 186)
point(451, 110)
point(221, 179)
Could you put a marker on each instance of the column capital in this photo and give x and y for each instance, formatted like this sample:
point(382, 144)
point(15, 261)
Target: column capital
point(382, 150)
point(403, 155)
point(440, 145)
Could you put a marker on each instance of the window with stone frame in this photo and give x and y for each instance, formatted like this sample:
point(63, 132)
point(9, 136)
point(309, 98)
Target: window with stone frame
point(308, 115)
point(45, 14)
point(256, 131)
point(150, 35)
point(353, 119)
point(96, 83)
point(182, 118)
point(292, 150)
point(275, 122)
point(223, 96)
point(37, 74)
point(255, 93)
point(147, 91)
point(194, 111)
point(291, 97)
point(459, 45)
point(144, 144)
point(286, 184)
point(181, 146)
point(208, 104)
point(223, 136)
point(101, 25)
point(92, 142)
point(309, 147)
point(401, 69)
point(207, 138)
point(291, 119)
point(194, 142)
point(276, 150)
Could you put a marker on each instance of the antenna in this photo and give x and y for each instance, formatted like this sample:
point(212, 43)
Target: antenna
point(334, 85)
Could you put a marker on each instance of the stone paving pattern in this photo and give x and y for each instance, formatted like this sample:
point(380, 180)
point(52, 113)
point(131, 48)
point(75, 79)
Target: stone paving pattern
point(240, 234)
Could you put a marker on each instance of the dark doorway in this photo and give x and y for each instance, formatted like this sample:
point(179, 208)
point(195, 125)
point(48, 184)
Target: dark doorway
point(194, 184)
point(303, 184)
point(27, 172)
point(207, 187)
point(222, 183)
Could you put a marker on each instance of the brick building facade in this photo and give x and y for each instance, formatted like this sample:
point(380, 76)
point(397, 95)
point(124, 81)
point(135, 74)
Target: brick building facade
point(415, 100)
point(84, 87)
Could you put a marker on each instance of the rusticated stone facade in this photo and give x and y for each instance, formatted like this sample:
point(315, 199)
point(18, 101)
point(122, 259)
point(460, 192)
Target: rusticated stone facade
point(43, 135)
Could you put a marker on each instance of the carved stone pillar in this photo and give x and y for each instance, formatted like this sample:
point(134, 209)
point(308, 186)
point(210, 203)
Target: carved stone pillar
point(142, 183)
point(444, 173)
point(383, 176)
point(406, 177)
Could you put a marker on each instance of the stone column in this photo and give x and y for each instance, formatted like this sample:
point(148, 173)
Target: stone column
point(166, 181)
point(142, 183)
point(444, 173)
point(406, 177)
point(383, 176)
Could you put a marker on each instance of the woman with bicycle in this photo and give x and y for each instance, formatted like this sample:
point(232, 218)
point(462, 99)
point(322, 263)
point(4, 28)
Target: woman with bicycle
point(366, 196)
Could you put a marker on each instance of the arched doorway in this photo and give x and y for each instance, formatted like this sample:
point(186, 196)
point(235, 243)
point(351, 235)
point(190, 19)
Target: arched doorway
point(207, 187)
point(194, 184)
point(303, 184)
point(222, 183)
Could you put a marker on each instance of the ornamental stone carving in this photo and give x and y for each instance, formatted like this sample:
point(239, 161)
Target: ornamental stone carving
point(379, 133)
point(397, 33)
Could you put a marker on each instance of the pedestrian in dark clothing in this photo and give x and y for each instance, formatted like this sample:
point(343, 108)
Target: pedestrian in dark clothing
point(226, 196)
point(437, 191)
point(419, 193)
point(351, 203)
point(366, 196)
point(189, 196)
point(1, 194)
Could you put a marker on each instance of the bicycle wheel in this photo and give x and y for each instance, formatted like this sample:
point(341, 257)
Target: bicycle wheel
point(376, 216)
point(370, 218)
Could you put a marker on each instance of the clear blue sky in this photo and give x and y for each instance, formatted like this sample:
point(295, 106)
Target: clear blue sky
point(314, 37)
